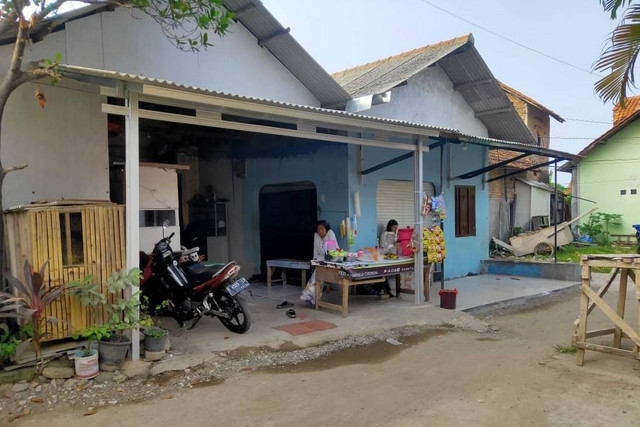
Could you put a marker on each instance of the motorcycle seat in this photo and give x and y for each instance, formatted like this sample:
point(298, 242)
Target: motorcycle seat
point(198, 273)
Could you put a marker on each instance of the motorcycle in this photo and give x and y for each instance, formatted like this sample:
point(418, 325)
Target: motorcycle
point(637, 227)
point(188, 290)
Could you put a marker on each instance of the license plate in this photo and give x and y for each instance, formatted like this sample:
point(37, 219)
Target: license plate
point(237, 286)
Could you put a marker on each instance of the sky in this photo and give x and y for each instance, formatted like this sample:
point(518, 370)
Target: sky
point(342, 34)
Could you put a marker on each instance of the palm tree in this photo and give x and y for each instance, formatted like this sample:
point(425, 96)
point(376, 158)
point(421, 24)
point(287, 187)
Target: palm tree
point(619, 57)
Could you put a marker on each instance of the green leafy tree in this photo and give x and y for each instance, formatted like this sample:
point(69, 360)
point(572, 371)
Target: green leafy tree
point(621, 52)
point(186, 23)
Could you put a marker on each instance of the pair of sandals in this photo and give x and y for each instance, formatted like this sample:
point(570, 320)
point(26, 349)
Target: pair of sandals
point(291, 313)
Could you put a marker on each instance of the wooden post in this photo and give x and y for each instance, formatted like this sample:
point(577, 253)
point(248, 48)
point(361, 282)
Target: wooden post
point(622, 298)
point(584, 305)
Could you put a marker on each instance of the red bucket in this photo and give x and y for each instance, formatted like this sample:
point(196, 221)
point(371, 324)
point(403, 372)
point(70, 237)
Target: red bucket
point(404, 239)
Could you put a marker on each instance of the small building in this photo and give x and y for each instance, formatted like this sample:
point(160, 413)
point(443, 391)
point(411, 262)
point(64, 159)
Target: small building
point(608, 174)
point(509, 207)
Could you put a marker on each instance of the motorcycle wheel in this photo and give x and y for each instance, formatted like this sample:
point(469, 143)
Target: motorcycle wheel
point(235, 306)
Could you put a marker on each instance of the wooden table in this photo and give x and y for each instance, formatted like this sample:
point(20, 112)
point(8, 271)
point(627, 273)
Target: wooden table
point(351, 274)
point(294, 264)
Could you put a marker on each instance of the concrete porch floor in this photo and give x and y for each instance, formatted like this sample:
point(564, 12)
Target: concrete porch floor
point(367, 315)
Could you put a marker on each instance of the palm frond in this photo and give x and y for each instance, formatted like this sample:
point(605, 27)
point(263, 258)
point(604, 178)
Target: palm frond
point(619, 59)
point(613, 6)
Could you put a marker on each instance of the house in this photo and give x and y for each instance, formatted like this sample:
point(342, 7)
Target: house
point(250, 142)
point(449, 83)
point(521, 199)
point(608, 176)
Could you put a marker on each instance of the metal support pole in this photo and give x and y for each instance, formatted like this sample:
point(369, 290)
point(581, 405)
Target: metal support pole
point(132, 209)
point(555, 211)
point(418, 276)
point(442, 178)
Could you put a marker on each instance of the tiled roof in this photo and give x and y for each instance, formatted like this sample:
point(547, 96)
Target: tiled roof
point(617, 127)
point(463, 65)
point(531, 101)
point(382, 75)
point(632, 104)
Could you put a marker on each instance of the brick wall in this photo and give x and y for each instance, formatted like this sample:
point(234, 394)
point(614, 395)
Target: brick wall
point(497, 188)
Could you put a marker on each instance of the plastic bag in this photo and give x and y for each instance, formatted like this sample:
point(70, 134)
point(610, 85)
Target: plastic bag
point(309, 293)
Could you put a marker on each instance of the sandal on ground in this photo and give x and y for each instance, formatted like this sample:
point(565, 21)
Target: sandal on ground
point(291, 313)
point(284, 304)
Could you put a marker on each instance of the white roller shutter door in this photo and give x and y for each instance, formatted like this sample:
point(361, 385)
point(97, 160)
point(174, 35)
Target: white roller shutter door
point(395, 201)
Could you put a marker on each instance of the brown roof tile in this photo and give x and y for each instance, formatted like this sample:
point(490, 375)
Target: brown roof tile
point(632, 105)
point(531, 101)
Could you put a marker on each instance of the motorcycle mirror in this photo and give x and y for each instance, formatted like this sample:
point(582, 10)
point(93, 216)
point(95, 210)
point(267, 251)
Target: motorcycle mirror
point(165, 225)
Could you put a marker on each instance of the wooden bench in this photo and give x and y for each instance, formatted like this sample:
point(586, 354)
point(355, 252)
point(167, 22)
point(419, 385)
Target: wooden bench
point(285, 264)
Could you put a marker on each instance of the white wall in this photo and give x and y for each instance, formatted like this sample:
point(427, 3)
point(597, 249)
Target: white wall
point(540, 202)
point(130, 42)
point(158, 190)
point(429, 98)
point(65, 145)
point(522, 217)
point(219, 174)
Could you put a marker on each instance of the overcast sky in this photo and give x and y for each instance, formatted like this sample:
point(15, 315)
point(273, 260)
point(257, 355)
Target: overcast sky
point(341, 34)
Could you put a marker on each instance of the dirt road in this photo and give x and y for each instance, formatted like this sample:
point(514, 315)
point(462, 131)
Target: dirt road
point(511, 376)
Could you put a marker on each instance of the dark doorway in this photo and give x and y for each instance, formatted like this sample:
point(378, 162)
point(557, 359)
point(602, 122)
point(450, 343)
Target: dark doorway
point(288, 214)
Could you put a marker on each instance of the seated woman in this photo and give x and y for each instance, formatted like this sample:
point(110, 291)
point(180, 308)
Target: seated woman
point(323, 235)
point(389, 238)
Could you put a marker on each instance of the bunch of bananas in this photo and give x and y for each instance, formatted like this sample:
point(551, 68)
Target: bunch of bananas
point(434, 244)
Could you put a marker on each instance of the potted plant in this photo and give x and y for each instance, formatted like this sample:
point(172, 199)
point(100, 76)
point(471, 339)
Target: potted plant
point(87, 360)
point(155, 336)
point(113, 344)
point(30, 304)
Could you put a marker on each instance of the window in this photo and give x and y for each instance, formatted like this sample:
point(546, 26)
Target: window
point(623, 192)
point(465, 211)
point(155, 217)
point(71, 238)
point(633, 191)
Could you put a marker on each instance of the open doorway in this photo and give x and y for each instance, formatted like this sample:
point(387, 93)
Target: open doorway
point(288, 214)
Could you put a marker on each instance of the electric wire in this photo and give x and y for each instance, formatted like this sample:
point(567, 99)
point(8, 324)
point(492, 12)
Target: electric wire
point(546, 55)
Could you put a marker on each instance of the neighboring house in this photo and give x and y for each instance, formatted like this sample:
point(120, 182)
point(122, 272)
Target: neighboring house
point(449, 84)
point(608, 175)
point(245, 123)
point(510, 207)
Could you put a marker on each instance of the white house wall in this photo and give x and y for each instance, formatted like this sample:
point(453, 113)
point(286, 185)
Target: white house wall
point(522, 217)
point(131, 42)
point(429, 98)
point(64, 144)
point(540, 202)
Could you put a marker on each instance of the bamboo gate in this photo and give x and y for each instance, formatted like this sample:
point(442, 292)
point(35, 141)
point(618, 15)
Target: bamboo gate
point(78, 239)
point(625, 267)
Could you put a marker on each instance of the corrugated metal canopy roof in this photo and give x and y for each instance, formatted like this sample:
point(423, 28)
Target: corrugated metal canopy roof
point(108, 78)
point(464, 66)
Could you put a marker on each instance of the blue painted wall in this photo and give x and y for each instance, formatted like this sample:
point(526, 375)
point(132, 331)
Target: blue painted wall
point(324, 164)
point(333, 168)
point(463, 254)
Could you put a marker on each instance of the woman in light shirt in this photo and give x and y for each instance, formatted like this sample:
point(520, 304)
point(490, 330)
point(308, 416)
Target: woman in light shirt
point(389, 238)
point(323, 234)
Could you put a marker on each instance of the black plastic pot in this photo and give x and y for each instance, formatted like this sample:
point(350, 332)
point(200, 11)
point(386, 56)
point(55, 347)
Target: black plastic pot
point(154, 344)
point(113, 351)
